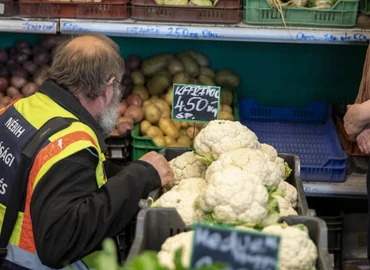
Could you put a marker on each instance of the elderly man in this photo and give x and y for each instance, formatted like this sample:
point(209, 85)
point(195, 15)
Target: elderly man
point(59, 198)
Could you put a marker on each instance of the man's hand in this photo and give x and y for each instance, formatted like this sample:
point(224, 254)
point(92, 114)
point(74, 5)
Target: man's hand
point(363, 140)
point(161, 165)
point(353, 120)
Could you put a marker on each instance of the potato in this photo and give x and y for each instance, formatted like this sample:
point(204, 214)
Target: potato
point(138, 77)
point(168, 127)
point(227, 78)
point(208, 71)
point(199, 57)
point(144, 126)
point(206, 80)
point(182, 132)
point(222, 115)
point(154, 64)
point(177, 124)
point(159, 83)
point(185, 124)
point(124, 119)
point(124, 128)
point(192, 132)
point(175, 65)
point(166, 114)
point(136, 113)
point(169, 140)
point(152, 113)
point(175, 145)
point(153, 131)
point(147, 102)
point(141, 91)
point(184, 140)
point(181, 78)
point(159, 141)
point(153, 97)
point(226, 108)
point(114, 132)
point(162, 105)
point(168, 96)
point(191, 66)
point(226, 97)
point(199, 125)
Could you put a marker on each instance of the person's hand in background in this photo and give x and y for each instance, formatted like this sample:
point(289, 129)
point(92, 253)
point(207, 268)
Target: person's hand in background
point(363, 140)
point(161, 165)
point(355, 120)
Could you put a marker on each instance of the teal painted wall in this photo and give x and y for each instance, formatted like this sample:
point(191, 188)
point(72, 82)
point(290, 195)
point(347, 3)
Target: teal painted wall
point(273, 73)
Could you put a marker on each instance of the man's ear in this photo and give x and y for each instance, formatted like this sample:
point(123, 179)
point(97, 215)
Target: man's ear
point(108, 91)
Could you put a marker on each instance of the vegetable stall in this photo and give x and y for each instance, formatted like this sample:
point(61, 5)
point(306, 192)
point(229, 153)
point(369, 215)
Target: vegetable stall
point(236, 172)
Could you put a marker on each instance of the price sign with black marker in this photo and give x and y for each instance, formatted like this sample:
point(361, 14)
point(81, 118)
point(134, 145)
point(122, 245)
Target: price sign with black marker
point(195, 103)
point(236, 249)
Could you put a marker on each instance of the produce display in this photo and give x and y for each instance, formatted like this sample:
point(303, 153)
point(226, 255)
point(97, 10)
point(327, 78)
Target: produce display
point(152, 81)
point(304, 3)
point(206, 3)
point(22, 68)
point(230, 178)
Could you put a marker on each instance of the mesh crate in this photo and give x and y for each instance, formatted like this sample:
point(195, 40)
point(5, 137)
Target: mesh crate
point(155, 225)
point(342, 14)
point(106, 9)
point(225, 11)
point(307, 132)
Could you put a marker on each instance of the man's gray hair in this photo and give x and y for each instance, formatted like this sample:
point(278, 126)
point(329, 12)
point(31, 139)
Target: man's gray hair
point(87, 72)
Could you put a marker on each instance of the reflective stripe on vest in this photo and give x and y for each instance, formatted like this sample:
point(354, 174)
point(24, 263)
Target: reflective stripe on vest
point(22, 119)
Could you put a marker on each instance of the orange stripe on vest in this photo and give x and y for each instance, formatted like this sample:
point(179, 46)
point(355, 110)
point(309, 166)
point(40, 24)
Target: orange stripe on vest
point(27, 241)
point(2, 110)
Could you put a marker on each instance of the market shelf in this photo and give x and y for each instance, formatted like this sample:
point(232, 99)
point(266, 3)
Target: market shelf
point(227, 32)
point(354, 186)
point(24, 25)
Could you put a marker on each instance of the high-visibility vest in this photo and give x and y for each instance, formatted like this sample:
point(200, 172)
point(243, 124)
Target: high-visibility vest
point(19, 121)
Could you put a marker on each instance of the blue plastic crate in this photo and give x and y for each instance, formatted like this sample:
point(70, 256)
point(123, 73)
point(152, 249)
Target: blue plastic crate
point(307, 132)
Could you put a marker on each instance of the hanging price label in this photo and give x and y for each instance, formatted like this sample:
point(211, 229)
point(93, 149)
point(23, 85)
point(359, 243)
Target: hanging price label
point(195, 103)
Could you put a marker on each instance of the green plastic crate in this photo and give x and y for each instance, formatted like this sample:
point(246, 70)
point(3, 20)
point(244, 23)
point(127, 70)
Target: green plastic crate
point(365, 7)
point(142, 145)
point(342, 14)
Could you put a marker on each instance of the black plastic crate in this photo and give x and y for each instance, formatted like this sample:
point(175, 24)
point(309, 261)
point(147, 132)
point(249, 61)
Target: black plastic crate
point(155, 225)
point(119, 149)
point(294, 178)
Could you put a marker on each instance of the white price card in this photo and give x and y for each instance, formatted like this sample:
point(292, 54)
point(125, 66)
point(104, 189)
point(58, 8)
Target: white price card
point(2, 8)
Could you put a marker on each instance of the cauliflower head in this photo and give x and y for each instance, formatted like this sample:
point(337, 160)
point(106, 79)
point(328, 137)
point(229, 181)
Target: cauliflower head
point(187, 166)
point(168, 250)
point(253, 161)
point(285, 207)
point(235, 196)
point(272, 153)
point(220, 136)
point(290, 193)
point(184, 198)
point(297, 250)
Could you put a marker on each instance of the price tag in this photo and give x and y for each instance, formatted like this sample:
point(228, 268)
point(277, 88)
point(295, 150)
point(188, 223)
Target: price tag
point(195, 103)
point(238, 250)
point(2, 8)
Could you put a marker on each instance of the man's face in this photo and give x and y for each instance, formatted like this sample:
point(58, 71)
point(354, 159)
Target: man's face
point(108, 117)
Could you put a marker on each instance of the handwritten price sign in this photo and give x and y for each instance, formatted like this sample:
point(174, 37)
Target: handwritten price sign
point(195, 103)
point(238, 250)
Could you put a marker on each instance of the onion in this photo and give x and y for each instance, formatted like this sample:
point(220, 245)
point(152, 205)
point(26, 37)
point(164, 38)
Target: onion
point(5, 100)
point(133, 62)
point(134, 100)
point(124, 128)
point(27, 51)
point(30, 66)
point(3, 56)
point(39, 76)
point(41, 58)
point(136, 113)
point(122, 106)
point(17, 81)
point(4, 72)
point(11, 66)
point(127, 71)
point(12, 91)
point(37, 49)
point(20, 44)
point(127, 91)
point(21, 58)
point(4, 84)
point(50, 41)
point(17, 97)
point(127, 80)
point(29, 89)
point(20, 72)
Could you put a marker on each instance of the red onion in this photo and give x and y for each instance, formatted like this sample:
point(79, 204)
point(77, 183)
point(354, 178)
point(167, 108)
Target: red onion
point(17, 81)
point(3, 56)
point(22, 44)
point(134, 100)
point(4, 84)
point(41, 58)
point(30, 66)
point(20, 72)
point(133, 62)
point(29, 89)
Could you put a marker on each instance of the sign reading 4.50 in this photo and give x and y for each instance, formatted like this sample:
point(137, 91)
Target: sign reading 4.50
point(195, 103)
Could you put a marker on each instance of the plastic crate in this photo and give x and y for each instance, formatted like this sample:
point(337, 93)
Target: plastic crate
point(307, 132)
point(9, 8)
point(155, 225)
point(125, 239)
point(342, 14)
point(107, 9)
point(142, 145)
point(225, 11)
point(365, 7)
point(294, 178)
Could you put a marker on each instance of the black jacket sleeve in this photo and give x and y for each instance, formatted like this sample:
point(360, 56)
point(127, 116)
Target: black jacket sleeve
point(71, 216)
